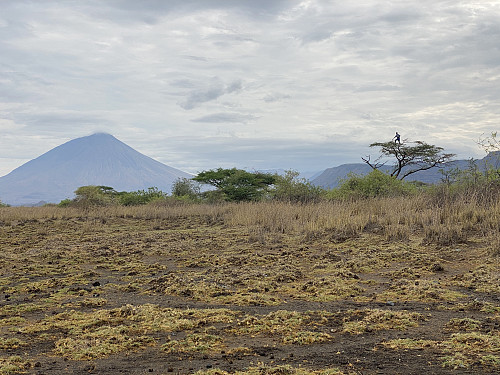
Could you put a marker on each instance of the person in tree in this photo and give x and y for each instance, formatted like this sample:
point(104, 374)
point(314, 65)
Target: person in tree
point(397, 138)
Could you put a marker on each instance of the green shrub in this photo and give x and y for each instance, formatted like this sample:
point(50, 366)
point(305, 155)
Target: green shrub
point(290, 188)
point(374, 184)
point(135, 198)
point(186, 189)
point(65, 203)
point(91, 195)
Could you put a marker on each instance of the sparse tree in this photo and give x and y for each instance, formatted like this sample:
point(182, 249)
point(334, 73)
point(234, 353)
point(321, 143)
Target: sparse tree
point(490, 143)
point(411, 157)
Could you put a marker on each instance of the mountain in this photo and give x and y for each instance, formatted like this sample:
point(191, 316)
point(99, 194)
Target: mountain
point(331, 177)
point(98, 159)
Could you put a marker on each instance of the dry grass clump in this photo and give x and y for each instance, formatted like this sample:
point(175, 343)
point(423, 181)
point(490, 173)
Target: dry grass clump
point(196, 342)
point(270, 370)
point(422, 291)
point(369, 320)
point(462, 349)
point(328, 288)
point(484, 279)
point(83, 336)
point(100, 343)
point(291, 326)
point(12, 343)
point(409, 344)
point(278, 322)
point(13, 365)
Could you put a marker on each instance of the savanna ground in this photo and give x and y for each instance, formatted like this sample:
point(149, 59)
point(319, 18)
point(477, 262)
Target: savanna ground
point(385, 286)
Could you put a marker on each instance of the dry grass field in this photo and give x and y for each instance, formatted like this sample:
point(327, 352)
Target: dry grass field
point(385, 286)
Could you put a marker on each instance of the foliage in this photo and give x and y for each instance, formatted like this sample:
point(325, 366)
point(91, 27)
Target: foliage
point(480, 181)
point(65, 203)
point(490, 143)
point(409, 158)
point(290, 188)
point(92, 195)
point(3, 204)
point(139, 197)
point(374, 184)
point(185, 188)
point(237, 184)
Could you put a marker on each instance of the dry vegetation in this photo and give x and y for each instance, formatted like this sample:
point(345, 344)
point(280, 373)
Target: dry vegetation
point(383, 286)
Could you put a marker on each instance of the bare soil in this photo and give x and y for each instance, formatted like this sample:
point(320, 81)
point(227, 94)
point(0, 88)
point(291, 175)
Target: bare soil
point(88, 265)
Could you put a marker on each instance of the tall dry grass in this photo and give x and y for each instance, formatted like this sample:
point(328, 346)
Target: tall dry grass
point(443, 220)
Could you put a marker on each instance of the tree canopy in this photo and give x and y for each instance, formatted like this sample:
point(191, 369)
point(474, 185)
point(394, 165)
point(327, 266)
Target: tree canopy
point(237, 184)
point(411, 157)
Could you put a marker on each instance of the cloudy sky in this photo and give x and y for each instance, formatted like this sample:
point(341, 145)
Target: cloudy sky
point(200, 84)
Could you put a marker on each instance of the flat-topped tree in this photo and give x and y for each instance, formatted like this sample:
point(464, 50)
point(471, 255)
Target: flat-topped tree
point(237, 184)
point(411, 157)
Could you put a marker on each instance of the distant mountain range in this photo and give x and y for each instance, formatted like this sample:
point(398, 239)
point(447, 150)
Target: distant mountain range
point(331, 177)
point(98, 159)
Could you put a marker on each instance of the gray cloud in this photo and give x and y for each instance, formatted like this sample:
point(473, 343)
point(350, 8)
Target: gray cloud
point(226, 118)
point(215, 90)
point(331, 77)
point(275, 97)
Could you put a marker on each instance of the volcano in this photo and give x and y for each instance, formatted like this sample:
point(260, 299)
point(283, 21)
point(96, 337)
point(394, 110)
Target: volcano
point(98, 159)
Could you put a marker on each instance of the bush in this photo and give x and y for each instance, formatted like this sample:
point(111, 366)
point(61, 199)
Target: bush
point(91, 195)
point(139, 197)
point(65, 203)
point(290, 188)
point(374, 184)
point(186, 189)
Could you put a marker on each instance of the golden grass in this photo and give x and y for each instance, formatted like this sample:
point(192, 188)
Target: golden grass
point(371, 253)
point(13, 365)
point(270, 370)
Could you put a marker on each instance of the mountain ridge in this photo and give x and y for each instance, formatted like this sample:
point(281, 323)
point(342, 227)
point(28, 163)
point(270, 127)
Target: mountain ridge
point(332, 177)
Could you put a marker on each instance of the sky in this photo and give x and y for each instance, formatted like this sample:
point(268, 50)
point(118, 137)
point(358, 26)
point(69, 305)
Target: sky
point(254, 84)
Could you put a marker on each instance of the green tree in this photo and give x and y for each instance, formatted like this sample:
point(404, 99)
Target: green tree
point(92, 195)
point(186, 187)
point(237, 184)
point(411, 157)
point(289, 187)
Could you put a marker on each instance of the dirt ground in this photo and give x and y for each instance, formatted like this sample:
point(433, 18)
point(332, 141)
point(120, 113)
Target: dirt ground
point(136, 296)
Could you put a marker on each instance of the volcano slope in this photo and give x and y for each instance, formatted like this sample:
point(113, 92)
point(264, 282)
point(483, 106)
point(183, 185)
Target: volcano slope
point(267, 288)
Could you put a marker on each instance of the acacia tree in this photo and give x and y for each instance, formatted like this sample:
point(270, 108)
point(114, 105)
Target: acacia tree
point(490, 143)
point(411, 157)
point(237, 184)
